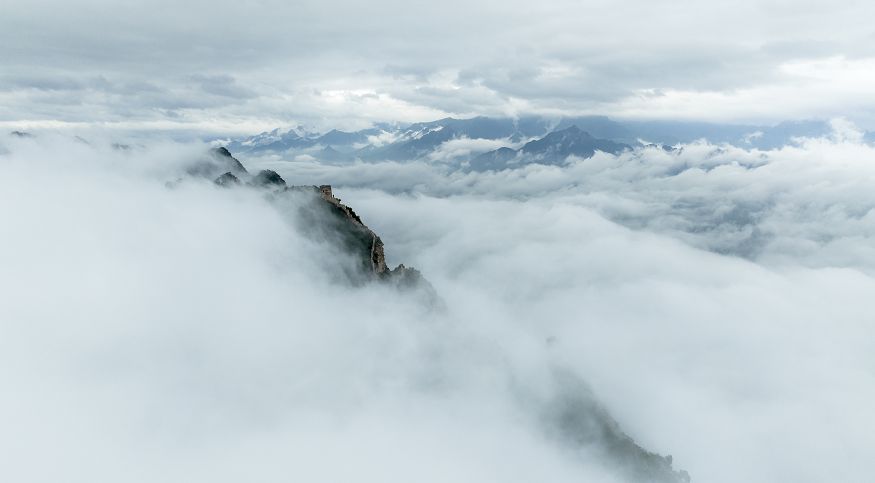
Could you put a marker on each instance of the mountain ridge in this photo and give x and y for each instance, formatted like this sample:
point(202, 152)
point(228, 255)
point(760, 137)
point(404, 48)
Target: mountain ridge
point(570, 413)
point(323, 217)
point(529, 137)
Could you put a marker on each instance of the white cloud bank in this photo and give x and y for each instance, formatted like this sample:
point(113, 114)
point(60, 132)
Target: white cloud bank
point(177, 334)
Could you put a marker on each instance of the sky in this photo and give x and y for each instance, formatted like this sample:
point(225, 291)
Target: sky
point(232, 68)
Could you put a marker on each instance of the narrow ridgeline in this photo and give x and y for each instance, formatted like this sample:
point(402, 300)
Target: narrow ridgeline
point(321, 216)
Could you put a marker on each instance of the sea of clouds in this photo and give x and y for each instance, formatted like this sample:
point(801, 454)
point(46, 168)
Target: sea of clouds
point(718, 301)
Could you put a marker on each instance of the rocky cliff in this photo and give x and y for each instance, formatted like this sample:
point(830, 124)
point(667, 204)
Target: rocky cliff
point(321, 216)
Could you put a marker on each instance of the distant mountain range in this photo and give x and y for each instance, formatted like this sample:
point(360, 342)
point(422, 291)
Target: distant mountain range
point(553, 148)
point(484, 143)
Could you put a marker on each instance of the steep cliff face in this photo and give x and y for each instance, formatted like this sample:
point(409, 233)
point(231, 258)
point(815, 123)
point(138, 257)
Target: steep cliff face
point(372, 246)
point(322, 216)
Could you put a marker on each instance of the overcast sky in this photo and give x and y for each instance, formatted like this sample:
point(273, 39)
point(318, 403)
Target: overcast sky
point(228, 67)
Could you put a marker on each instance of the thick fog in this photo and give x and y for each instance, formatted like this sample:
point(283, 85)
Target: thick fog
point(718, 301)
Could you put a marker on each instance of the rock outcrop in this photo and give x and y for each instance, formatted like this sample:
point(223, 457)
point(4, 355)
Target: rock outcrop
point(321, 216)
point(227, 180)
point(217, 162)
point(268, 178)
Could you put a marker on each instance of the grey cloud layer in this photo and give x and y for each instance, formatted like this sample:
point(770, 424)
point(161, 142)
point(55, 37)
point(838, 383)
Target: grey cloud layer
point(176, 332)
point(287, 62)
point(186, 333)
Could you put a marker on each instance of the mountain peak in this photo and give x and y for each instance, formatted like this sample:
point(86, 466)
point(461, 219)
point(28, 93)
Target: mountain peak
point(268, 178)
point(323, 217)
point(572, 130)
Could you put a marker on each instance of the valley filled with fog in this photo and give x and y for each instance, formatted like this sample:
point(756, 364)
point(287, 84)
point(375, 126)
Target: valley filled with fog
point(714, 299)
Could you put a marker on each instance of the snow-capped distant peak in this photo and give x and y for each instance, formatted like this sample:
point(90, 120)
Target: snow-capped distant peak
point(420, 133)
point(304, 132)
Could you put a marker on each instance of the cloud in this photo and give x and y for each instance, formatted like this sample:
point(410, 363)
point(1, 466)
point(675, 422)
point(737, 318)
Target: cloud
point(716, 300)
point(687, 344)
point(460, 149)
point(223, 86)
point(564, 58)
point(192, 332)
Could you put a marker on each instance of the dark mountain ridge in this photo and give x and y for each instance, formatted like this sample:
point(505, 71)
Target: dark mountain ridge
point(321, 216)
point(568, 413)
point(554, 148)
